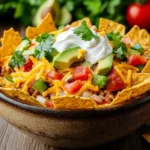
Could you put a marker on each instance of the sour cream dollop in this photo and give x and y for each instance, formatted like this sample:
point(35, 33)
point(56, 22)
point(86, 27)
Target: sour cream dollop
point(96, 49)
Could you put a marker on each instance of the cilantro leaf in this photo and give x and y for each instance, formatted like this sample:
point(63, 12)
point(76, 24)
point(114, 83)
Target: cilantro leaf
point(138, 47)
point(85, 33)
point(17, 60)
point(121, 52)
point(115, 38)
point(45, 48)
point(43, 36)
point(140, 67)
point(119, 48)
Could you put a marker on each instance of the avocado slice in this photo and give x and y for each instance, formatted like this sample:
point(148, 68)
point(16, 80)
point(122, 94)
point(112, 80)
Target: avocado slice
point(133, 52)
point(60, 15)
point(104, 65)
point(66, 58)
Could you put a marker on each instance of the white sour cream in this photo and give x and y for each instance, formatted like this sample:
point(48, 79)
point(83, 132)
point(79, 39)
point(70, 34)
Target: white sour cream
point(96, 49)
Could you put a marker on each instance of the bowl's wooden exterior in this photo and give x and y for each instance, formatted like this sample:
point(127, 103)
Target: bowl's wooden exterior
point(76, 129)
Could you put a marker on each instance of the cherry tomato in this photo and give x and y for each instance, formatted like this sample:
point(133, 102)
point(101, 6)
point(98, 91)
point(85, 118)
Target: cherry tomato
point(138, 14)
point(73, 86)
point(137, 59)
point(49, 104)
point(115, 82)
point(81, 73)
point(55, 75)
point(28, 65)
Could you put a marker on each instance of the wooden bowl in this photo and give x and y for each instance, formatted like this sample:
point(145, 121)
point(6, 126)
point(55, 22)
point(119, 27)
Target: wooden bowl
point(76, 128)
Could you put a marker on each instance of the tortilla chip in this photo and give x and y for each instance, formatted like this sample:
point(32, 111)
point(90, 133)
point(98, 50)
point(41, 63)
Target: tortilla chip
point(144, 38)
point(146, 68)
point(73, 102)
point(5, 83)
point(78, 23)
point(132, 92)
point(147, 137)
point(10, 41)
point(140, 36)
point(47, 25)
point(109, 25)
point(139, 78)
point(20, 96)
point(133, 33)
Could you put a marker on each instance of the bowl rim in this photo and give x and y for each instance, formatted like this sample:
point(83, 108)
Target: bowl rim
point(80, 113)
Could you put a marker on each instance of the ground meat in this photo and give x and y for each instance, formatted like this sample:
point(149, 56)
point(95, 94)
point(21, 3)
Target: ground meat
point(109, 96)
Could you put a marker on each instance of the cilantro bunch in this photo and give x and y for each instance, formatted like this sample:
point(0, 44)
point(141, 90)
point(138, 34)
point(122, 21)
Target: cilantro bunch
point(119, 48)
point(45, 49)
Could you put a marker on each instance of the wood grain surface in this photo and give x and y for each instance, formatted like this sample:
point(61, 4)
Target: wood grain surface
point(13, 139)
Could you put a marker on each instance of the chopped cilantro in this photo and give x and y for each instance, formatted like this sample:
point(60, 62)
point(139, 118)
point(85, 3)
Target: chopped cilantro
point(45, 48)
point(17, 60)
point(140, 67)
point(26, 38)
point(119, 48)
point(43, 36)
point(85, 33)
point(138, 47)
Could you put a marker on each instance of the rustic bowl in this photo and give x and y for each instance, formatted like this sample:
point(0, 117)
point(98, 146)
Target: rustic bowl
point(76, 128)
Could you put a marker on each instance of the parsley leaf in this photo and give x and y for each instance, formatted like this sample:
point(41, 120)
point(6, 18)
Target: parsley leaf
point(119, 48)
point(17, 60)
point(138, 47)
point(85, 33)
point(45, 48)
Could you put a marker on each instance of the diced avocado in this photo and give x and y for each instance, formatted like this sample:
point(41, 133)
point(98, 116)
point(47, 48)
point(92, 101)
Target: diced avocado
point(9, 78)
point(28, 52)
point(100, 81)
point(66, 58)
point(87, 63)
point(104, 65)
point(132, 52)
point(40, 85)
point(138, 47)
point(23, 45)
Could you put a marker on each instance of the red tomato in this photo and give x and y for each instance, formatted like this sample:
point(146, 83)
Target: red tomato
point(32, 44)
point(28, 65)
point(135, 60)
point(138, 14)
point(49, 104)
point(55, 75)
point(73, 86)
point(115, 82)
point(81, 73)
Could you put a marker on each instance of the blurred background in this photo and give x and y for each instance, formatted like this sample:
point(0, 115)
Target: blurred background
point(21, 13)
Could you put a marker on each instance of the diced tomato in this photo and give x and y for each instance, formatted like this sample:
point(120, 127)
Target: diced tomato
point(55, 75)
point(81, 73)
point(28, 65)
point(49, 104)
point(137, 59)
point(73, 86)
point(114, 81)
point(32, 44)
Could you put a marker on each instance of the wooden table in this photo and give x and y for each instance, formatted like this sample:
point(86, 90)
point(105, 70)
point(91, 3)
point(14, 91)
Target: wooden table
point(13, 139)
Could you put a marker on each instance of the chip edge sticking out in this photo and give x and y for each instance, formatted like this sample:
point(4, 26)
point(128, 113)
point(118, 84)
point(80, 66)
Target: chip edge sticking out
point(10, 40)
point(47, 25)
point(107, 26)
point(78, 22)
